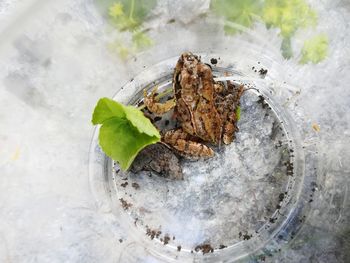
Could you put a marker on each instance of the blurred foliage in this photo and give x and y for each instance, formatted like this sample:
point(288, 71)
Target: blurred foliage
point(237, 11)
point(121, 49)
point(141, 40)
point(315, 49)
point(116, 10)
point(286, 48)
point(287, 15)
point(128, 16)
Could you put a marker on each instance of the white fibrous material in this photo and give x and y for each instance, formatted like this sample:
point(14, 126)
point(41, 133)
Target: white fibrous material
point(57, 62)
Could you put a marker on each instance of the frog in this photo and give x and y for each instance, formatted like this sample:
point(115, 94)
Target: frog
point(204, 109)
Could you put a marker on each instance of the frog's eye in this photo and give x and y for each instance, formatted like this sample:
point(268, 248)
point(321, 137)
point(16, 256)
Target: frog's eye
point(191, 57)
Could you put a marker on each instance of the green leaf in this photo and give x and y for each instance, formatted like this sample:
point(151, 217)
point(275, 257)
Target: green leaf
point(124, 131)
point(238, 113)
point(106, 109)
point(121, 141)
point(315, 49)
point(140, 122)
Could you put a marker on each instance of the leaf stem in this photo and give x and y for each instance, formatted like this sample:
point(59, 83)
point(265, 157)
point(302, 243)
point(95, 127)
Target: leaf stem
point(132, 10)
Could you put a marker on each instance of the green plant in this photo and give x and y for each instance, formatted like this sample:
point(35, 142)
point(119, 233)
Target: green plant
point(124, 132)
point(315, 49)
point(287, 15)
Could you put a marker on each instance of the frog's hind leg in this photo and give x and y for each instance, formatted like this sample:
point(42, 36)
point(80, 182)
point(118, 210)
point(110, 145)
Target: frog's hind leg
point(186, 145)
point(226, 107)
point(230, 128)
point(153, 105)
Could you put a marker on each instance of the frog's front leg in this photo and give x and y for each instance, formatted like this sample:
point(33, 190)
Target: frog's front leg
point(153, 105)
point(186, 145)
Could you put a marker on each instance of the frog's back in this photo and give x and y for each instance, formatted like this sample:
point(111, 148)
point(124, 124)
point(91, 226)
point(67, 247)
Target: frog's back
point(185, 84)
point(194, 92)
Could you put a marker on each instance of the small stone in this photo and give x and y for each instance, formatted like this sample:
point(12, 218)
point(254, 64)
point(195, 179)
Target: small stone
point(214, 61)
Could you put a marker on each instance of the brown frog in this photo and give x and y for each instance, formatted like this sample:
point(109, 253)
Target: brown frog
point(205, 109)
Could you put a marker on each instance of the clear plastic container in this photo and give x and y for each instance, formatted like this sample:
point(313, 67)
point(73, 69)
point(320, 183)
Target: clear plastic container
point(278, 193)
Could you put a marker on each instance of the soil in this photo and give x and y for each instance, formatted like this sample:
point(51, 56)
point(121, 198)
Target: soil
point(166, 239)
point(263, 72)
point(262, 101)
point(281, 197)
point(124, 184)
point(152, 233)
point(247, 236)
point(136, 186)
point(205, 248)
point(290, 168)
point(125, 204)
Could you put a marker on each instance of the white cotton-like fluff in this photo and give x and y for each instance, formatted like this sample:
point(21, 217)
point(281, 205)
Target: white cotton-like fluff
point(56, 61)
